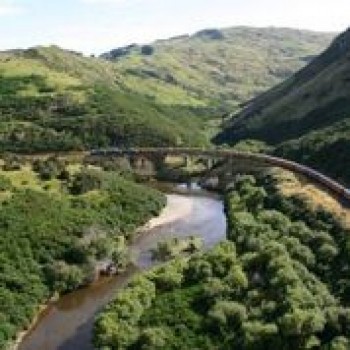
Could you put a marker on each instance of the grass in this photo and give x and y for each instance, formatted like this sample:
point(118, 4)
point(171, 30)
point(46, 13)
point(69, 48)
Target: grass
point(162, 93)
point(55, 82)
point(291, 184)
point(307, 117)
point(26, 178)
point(56, 100)
point(228, 71)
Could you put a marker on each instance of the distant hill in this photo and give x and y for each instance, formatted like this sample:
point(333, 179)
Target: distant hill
point(215, 67)
point(162, 94)
point(307, 117)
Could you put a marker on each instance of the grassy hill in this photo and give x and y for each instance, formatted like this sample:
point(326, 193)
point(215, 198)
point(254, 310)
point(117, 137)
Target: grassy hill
point(307, 117)
point(166, 93)
point(51, 99)
point(217, 68)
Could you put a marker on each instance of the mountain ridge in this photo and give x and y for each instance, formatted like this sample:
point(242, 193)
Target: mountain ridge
point(171, 95)
point(305, 118)
point(234, 64)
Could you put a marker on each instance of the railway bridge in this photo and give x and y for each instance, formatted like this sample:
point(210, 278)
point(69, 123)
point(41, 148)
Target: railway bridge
point(141, 157)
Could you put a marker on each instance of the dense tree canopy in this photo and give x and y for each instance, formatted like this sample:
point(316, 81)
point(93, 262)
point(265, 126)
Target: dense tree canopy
point(52, 241)
point(280, 282)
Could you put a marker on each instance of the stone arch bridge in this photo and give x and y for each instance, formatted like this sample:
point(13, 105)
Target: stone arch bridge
point(142, 157)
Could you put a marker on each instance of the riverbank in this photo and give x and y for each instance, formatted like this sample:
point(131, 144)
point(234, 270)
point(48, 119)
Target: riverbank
point(68, 323)
point(177, 207)
point(45, 308)
point(41, 310)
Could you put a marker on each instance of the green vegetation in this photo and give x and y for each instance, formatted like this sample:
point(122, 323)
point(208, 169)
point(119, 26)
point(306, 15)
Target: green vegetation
point(280, 282)
point(56, 230)
point(50, 168)
point(307, 117)
point(175, 247)
point(216, 68)
point(51, 99)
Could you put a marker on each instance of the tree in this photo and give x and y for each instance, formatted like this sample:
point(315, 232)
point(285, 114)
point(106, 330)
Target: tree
point(5, 183)
point(153, 338)
point(85, 181)
point(259, 335)
point(338, 343)
point(64, 277)
point(11, 162)
point(227, 313)
point(147, 50)
point(302, 323)
point(48, 169)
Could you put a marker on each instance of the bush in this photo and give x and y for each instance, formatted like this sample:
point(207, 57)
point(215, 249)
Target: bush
point(11, 163)
point(147, 50)
point(85, 181)
point(5, 183)
point(48, 169)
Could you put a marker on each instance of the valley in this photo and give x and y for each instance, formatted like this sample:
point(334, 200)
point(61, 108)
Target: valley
point(306, 118)
point(274, 283)
point(58, 100)
point(108, 239)
point(204, 216)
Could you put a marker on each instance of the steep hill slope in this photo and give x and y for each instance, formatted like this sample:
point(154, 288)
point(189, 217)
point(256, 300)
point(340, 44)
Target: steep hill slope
point(307, 117)
point(51, 99)
point(161, 94)
point(216, 67)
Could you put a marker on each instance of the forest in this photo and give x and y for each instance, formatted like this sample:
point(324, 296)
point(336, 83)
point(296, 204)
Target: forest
point(58, 222)
point(280, 281)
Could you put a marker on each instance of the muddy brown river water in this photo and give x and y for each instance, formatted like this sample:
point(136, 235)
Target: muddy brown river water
point(67, 324)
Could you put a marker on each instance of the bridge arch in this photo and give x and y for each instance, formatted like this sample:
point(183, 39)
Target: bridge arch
point(295, 167)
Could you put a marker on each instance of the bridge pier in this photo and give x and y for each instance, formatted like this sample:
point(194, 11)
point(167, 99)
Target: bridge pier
point(142, 164)
point(186, 161)
point(147, 164)
point(209, 163)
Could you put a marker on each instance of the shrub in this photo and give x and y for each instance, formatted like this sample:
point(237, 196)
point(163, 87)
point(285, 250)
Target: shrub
point(11, 163)
point(48, 169)
point(147, 50)
point(85, 181)
point(5, 183)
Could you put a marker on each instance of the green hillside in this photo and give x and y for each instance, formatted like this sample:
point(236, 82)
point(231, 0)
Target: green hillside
point(217, 68)
point(167, 93)
point(307, 117)
point(51, 99)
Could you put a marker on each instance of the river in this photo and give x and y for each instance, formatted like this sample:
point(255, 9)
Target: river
point(67, 324)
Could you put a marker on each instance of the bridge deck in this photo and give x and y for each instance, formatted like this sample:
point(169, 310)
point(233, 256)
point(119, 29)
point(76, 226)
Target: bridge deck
point(329, 183)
